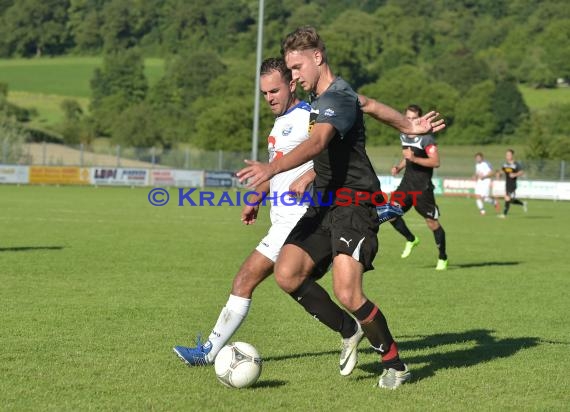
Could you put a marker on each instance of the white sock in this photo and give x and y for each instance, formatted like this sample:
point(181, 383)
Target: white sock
point(230, 319)
point(480, 203)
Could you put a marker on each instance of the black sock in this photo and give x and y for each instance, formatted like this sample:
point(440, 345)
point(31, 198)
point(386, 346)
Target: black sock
point(311, 296)
point(516, 202)
point(507, 206)
point(401, 227)
point(375, 328)
point(439, 235)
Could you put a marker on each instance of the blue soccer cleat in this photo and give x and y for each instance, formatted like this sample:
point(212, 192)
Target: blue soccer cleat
point(197, 356)
point(388, 211)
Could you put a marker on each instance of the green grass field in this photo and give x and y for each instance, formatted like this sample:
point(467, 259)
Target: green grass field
point(97, 286)
point(44, 83)
point(64, 76)
point(540, 99)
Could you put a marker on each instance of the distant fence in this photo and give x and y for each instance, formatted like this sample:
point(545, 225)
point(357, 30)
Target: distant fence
point(50, 154)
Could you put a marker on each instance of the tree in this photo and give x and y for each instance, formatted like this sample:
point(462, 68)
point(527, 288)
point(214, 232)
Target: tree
point(547, 132)
point(354, 43)
point(403, 86)
point(137, 127)
point(36, 27)
point(186, 77)
point(120, 83)
point(223, 124)
point(554, 41)
point(475, 121)
point(119, 23)
point(461, 69)
point(508, 106)
point(123, 74)
point(85, 22)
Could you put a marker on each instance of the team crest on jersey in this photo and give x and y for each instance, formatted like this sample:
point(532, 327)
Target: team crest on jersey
point(287, 130)
point(329, 113)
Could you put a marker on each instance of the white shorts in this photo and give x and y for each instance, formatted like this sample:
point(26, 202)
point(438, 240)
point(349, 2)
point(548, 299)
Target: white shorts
point(271, 244)
point(483, 188)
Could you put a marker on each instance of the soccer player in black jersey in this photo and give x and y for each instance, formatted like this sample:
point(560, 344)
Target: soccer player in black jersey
point(346, 235)
point(512, 170)
point(420, 157)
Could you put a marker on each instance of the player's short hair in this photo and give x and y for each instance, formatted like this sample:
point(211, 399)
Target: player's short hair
point(414, 108)
point(480, 155)
point(303, 38)
point(512, 151)
point(276, 64)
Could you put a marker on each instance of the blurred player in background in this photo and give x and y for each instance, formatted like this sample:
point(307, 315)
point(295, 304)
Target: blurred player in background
point(483, 176)
point(420, 157)
point(512, 170)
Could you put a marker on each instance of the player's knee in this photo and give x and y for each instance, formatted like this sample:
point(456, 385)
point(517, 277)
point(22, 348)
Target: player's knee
point(351, 300)
point(286, 277)
point(432, 224)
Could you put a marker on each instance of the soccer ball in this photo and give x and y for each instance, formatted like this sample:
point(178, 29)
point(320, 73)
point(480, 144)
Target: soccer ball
point(238, 365)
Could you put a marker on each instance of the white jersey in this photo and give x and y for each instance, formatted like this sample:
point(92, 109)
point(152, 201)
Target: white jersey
point(483, 185)
point(289, 130)
point(482, 170)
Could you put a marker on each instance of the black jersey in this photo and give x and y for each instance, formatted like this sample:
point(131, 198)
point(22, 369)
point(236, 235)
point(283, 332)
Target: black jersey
point(509, 168)
point(417, 176)
point(344, 163)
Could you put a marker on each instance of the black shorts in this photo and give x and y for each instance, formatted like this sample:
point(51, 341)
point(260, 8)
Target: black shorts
point(511, 190)
point(422, 200)
point(324, 232)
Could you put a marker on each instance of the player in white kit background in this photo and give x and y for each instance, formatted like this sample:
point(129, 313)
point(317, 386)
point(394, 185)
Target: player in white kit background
point(483, 175)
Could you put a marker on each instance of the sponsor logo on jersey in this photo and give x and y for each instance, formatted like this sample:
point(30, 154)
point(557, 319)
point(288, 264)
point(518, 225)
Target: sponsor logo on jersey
point(287, 130)
point(329, 113)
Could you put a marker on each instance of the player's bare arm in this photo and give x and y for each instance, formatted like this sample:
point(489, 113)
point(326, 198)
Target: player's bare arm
point(249, 212)
point(257, 172)
point(428, 123)
point(431, 161)
point(300, 185)
point(399, 167)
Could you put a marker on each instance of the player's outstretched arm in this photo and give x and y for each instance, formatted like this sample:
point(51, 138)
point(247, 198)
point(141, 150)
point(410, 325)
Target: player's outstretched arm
point(428, 123)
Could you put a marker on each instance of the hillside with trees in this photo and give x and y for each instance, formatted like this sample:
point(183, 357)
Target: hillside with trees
point(464, 58)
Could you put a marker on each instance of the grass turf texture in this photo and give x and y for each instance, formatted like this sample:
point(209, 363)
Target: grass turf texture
point(64, 76)
point(97, 286)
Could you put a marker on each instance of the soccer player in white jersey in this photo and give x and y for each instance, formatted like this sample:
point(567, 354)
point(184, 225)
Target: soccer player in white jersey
point(291, 127)
point(483, 174)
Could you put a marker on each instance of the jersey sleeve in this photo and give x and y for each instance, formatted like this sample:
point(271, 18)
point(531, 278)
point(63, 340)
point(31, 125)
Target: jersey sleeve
point(428, 141)
point(337, 109)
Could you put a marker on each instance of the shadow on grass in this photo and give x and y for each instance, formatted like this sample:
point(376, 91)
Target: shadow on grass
point(487, 348)
point(300, 355)
point(483, 264)
point(269, 383)
point(29, 248)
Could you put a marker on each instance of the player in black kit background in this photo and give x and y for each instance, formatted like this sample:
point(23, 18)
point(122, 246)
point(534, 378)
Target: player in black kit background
point(420, 157)
point(512, 170)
